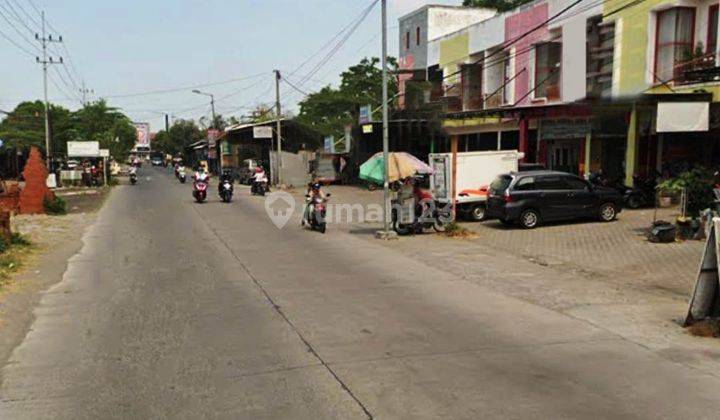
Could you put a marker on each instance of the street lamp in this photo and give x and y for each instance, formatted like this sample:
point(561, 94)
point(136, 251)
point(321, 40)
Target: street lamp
point(212, 103)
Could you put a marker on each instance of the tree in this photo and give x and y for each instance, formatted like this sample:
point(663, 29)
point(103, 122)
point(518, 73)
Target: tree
point(25, 127)
point(499, 5)
point(329, 110)
point(106, 125)
point(181, 134)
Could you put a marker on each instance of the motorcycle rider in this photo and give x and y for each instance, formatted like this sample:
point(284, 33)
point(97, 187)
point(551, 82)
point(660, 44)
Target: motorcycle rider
point(225, 176)
point(259, 177)
point(314, 191)
point(201, 175)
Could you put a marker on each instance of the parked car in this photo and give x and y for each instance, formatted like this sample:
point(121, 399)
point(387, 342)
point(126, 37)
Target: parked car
point(535, 197)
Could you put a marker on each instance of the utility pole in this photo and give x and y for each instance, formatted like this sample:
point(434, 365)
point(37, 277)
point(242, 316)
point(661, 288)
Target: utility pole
point(84, 92)
point(386, 233)
point(278, 130)
point(167, 123)
point(47, 61)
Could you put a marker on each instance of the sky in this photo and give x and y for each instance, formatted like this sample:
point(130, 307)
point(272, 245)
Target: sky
point(128, 47)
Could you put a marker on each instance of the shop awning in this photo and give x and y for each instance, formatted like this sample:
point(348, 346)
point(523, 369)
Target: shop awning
point(674, 117)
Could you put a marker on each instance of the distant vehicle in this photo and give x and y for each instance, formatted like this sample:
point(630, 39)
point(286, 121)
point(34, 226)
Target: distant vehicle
point(157, 161)
point(72, 164)
point(475, 171)
point(535, 197)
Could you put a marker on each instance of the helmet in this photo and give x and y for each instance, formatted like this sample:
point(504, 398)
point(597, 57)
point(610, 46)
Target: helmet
point(258, 170)
point(316, 186)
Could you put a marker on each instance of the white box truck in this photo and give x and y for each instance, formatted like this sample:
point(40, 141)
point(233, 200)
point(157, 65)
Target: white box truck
point(475, 172)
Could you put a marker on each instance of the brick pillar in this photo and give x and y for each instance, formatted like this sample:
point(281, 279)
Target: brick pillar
point(524, 137)
point(32, 197)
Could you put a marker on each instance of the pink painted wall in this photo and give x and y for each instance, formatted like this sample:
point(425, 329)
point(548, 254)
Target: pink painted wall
point(515, 26)
point(404, 63)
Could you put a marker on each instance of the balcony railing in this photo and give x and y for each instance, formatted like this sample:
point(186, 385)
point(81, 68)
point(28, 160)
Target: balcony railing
point(700, 69)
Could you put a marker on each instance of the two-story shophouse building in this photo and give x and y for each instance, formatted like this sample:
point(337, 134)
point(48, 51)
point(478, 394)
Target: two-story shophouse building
point(582, 86)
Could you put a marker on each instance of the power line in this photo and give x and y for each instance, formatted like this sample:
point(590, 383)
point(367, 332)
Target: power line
point(20, 47)
point(294, 87)
point(340, 43)
point(183, 88)
point(18, 31)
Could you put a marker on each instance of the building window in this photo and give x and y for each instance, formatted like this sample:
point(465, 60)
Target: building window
point(600, 55)
point(712, 29)
point(547, 70)
point(507, 70)
point(674, 40)
point(407, 40)
point(417, 35)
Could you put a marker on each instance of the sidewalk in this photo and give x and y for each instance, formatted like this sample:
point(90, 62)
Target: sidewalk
point(617, 252)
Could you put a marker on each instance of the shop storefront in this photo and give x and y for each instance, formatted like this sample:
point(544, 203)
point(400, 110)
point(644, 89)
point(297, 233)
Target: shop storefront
point(563, 144)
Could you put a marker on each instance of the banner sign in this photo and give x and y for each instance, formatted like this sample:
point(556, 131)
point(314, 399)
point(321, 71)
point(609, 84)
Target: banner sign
point(142, 134)
point(263, 132)
point(104, 153)
point(330, 144)
point(367, 129)
point(83, 149)
point(365, 114)
point(678, 117)
point(212, 136)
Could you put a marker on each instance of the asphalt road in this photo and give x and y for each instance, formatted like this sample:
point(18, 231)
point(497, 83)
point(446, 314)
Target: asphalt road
point(179, 310)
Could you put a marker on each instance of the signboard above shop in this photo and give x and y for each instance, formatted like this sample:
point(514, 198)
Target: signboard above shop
point(560, 129)
point(263, 132)
point(677, 117)
point(83, 149)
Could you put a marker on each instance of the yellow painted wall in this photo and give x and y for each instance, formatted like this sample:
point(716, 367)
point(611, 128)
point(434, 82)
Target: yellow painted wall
point(453, 51)
point(706, 87)
point(633, 43)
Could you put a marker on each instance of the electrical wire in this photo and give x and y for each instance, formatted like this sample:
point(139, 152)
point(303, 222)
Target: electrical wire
point(183, 88)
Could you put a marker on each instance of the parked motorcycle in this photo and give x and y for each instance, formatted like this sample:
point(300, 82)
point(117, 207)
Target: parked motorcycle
point(316, 212)
point(259, 188)
point(643, 194)
point(409, 217)
point(226, 191)
point(200, 190)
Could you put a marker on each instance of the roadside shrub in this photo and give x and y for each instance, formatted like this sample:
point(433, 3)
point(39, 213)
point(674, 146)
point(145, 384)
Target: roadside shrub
point(698, 185)
point(57, 206)
point(454, 230)
point(3, 245)
point(19, 240)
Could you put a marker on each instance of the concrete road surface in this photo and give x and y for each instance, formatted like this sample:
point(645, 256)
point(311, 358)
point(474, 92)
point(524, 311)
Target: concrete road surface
point(179, 310)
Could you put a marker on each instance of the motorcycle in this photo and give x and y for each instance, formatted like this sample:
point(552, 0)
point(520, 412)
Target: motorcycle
point(226, 191)
point(133, 178)
point(181, 175)
point(316, 212)
point(409, 217)
point(200, 190)
point(259, 188)
point(643, 194)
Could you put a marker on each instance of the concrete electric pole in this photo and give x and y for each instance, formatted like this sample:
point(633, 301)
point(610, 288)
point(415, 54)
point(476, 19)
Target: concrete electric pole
point(85, 92)
point(386, 233)
point(278, 130)
point(46, 62)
